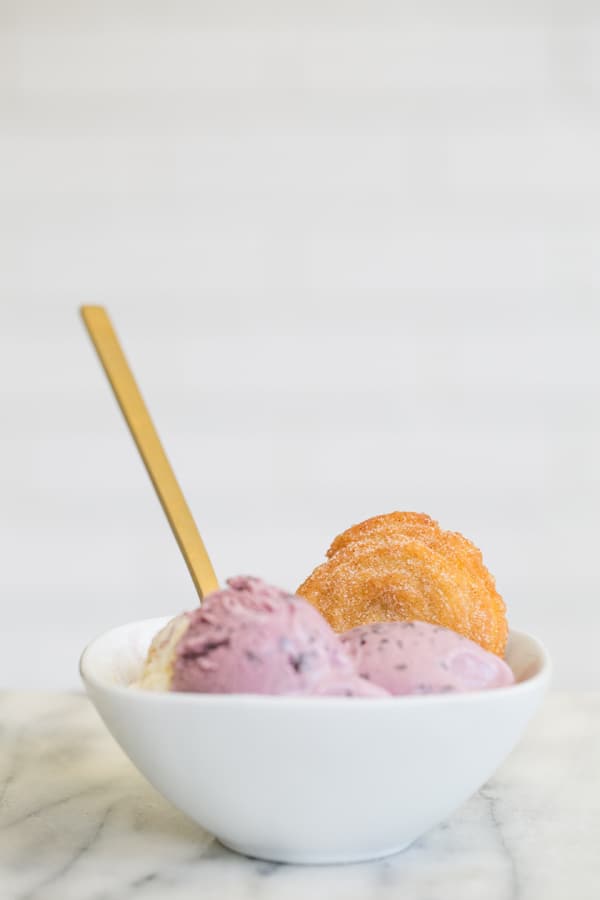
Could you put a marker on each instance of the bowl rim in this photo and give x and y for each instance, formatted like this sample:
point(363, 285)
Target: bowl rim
point(535, 682)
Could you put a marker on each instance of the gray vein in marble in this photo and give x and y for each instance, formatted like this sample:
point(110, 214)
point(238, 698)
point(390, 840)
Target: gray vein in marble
point(56, 877)
point(45, 808)
point(488, 792)
point(77, 822)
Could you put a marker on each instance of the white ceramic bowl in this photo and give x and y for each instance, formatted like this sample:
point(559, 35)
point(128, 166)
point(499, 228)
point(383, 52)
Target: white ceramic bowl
point(311, 779)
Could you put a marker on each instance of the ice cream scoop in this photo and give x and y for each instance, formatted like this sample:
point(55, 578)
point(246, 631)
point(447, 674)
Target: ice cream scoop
point(253, 638)
point(420, 658)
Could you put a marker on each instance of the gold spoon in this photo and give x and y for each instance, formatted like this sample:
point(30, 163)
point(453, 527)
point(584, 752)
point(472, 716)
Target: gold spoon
point(150, 448)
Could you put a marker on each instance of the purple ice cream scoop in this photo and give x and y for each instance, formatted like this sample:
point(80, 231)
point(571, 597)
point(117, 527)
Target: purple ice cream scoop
point(420, 658)
point(252, 638)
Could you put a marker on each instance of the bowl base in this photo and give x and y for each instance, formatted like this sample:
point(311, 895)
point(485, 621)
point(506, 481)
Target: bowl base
point(312, 857)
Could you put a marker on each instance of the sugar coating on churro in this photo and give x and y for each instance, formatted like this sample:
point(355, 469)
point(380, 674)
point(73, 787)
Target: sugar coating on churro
point(403, 566)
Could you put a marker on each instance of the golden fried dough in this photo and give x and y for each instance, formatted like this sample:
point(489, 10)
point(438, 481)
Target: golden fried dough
point(404, 566)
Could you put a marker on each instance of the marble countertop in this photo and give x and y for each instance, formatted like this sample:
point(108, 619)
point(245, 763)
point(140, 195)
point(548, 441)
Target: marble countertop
point(78, 822)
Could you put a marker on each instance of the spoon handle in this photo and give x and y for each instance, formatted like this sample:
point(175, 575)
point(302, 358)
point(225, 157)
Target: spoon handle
point(150, 448)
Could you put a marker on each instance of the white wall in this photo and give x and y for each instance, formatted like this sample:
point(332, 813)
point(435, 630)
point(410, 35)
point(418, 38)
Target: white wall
point(353, 253)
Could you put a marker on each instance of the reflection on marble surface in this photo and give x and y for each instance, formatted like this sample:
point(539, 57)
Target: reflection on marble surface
point(78, 822)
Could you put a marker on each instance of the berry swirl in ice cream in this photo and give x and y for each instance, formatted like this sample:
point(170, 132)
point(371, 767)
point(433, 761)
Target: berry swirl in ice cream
point(420, 658)
point(253, 638)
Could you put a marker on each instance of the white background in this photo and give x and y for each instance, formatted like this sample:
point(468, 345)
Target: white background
point(352, 250)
